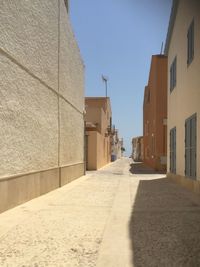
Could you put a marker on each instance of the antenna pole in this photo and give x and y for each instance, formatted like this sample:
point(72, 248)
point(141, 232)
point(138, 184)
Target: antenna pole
point(105, 80)
point(106, 87)
point(161, 49)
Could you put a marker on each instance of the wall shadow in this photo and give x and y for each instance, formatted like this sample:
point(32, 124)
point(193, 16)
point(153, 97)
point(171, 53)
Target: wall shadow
point(165, 226)
point(141, 168)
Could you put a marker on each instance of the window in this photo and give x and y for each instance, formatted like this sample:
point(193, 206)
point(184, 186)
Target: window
point(190, 147)
point(173, 75)
point(173, 150)
point(190, 43)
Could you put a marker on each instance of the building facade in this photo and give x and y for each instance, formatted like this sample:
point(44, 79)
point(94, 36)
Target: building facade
point(155, 114)
point(183, 51)
point(116, 145)
point(42, 100)
point(138, 149)
point(98, 132)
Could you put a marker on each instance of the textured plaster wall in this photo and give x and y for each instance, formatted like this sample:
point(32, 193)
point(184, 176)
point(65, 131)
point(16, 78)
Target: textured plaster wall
point(103, 148)
point(39, 58)
point(71, 68)
point(99, 153)
point(71, 135)
point(92, 150)
point(29, 33)
point(98, 110)
point(28, 133)
point(184, 99)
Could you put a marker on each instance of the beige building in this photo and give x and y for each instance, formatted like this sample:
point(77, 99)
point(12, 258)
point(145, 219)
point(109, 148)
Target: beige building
point(183, 51)
point(42, 100)
point(138, 148)
point(98, 132)
point(116, 145)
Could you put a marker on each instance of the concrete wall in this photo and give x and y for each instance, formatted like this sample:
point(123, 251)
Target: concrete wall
point(41, 100)
point(183, 101)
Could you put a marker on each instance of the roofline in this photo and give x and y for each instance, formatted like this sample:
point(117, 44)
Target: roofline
point(67, 5)
point(96, 97)
point(107, 100)
point(136, 137)
point(159, 56)
point(171, 25)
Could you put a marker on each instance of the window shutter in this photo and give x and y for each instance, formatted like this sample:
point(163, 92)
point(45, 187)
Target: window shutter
point(192, 40)
point(190, 147)
point(170, 78)
point(174, 150)
point(175, 72)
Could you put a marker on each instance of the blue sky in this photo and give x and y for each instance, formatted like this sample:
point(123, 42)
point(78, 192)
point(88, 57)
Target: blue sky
point(117, 38)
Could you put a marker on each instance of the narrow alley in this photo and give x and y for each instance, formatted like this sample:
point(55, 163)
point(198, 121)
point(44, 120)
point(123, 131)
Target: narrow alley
point(122, 215)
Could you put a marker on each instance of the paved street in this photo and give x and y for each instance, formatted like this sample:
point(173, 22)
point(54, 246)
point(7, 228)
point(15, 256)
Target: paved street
point(122, 215)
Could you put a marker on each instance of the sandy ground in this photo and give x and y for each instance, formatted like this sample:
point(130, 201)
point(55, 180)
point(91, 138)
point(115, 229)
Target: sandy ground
point(122, 215)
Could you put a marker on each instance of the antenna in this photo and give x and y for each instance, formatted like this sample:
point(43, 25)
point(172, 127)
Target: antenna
point(105, 80)
point(161, 51)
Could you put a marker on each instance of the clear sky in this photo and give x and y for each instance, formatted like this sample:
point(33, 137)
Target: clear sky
point(117, 39)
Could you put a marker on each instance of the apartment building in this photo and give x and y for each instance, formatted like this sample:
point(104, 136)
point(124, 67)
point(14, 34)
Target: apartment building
point(183, 51)
point(155, 114)
point(98, 132)
point(138, 149)
point(42, 100)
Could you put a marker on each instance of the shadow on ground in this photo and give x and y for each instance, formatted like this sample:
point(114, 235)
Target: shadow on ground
point(165, 226)
point(141, 168)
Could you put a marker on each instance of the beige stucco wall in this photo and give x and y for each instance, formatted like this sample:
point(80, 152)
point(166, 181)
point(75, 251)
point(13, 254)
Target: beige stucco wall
point(98, 112)
point(103, 150)
point(98, 150)
point(184, 99)
point(94, 115)
point(41, 95)
point(91, 150)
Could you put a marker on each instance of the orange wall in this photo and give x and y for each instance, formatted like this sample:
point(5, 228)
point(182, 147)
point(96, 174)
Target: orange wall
point(154, 112)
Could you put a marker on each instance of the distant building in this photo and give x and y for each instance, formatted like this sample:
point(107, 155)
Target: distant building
point(116, 145)
point(183, 51)
point(98, 132)
point(42, 100)
point(137, 149)
point(155, 114)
